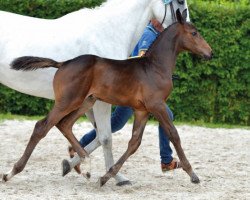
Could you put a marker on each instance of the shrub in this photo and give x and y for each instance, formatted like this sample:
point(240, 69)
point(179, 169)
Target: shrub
point(218, 90)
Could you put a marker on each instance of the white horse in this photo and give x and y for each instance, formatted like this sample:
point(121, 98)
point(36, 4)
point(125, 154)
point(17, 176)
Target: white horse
point(110, 30)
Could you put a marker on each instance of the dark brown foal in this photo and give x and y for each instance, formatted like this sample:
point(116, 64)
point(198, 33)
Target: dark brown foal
point(141, 83)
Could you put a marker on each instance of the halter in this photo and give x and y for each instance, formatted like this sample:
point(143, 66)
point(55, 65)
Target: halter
point(166, 2)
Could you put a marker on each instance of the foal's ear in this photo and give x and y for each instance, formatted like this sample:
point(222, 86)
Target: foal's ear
point(179, 16)
point(184, 15)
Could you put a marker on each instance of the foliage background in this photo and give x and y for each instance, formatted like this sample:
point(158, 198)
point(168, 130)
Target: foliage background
point(216, 91)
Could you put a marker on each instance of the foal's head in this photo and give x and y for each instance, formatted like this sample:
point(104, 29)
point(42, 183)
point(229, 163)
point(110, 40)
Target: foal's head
point(190, 39)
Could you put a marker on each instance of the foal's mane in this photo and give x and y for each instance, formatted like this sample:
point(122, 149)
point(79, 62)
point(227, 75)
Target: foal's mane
point(158, 38)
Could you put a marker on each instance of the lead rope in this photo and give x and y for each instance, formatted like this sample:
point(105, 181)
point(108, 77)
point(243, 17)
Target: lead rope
point(164, 14)
point(172, 13)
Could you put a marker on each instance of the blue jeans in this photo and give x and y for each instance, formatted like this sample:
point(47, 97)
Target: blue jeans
point(119, 118)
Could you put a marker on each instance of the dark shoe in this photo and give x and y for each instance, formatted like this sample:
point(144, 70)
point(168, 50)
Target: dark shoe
point(174, 164)
point(71, 154)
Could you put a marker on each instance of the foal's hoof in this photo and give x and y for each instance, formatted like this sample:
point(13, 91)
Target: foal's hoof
point(124, 183)
point(65, 167)
point(102, 181)
point(4, 178)
point(194, 178)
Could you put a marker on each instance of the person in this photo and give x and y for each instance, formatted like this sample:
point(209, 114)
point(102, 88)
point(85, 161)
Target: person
point(121, 114)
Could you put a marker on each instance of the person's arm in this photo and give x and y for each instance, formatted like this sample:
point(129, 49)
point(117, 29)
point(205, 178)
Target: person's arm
point(144, 43)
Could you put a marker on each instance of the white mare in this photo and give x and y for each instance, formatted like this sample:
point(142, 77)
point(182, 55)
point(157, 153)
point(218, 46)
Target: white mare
point(110, 30)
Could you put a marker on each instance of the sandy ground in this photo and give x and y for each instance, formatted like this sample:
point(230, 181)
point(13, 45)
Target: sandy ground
point(220, 157)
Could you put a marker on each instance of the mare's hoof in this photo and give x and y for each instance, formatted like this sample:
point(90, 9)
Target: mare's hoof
point(124, 183)
point(195, 179)
point(65, 167)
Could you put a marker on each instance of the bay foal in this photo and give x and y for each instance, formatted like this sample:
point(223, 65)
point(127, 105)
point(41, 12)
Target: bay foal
point(141, 83)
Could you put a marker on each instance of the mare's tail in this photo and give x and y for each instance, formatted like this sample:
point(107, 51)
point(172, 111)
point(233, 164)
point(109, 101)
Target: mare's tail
point(28, 63)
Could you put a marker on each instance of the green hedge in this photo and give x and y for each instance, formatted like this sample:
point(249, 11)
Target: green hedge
point(218, 90)
point(49, 9)
point(214, 91)
point(18, 103)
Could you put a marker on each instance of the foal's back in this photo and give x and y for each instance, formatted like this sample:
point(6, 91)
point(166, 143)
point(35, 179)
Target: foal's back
point(114, 81)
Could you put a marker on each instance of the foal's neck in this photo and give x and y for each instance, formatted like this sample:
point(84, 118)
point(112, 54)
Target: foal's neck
point(164, 51)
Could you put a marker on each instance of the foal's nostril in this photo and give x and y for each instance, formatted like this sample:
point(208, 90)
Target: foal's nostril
point(209, 56)
point(212, 54)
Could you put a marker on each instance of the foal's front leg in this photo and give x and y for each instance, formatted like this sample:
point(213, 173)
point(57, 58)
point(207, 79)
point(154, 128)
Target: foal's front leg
point(160, 113)
point(140, 121)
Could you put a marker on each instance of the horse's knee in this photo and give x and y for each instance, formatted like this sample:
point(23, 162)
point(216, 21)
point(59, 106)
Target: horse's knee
point(134, 145)
point(40, 129)
point(105, 141)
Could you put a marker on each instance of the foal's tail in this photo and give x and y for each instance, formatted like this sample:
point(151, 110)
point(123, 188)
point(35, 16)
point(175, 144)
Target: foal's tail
point(28, 63)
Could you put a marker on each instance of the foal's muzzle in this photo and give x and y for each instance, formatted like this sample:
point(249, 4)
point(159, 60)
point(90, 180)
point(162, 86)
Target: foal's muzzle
point(209, 56)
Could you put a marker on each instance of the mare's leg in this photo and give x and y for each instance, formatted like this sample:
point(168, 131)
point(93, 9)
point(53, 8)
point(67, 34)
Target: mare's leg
point(90, 115)
point(140, 121)
point(102, 113)
point(41, 129)
point(160, 113)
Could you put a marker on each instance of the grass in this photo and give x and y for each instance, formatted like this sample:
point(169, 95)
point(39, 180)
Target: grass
point(178, 123)
point(24, 117)
point(212, 125)
point(18, 117)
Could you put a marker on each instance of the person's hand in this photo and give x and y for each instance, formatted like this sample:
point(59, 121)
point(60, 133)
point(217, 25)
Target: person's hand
point(141, 53)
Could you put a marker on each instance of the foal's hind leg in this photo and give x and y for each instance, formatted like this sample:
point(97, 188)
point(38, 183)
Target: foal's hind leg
point(41, 129)
point(102, 116)
point(141, 118)
point(160, 113)
point(66, 124)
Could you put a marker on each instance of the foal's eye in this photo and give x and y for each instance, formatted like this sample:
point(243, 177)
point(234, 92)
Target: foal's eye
point(194, 33)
